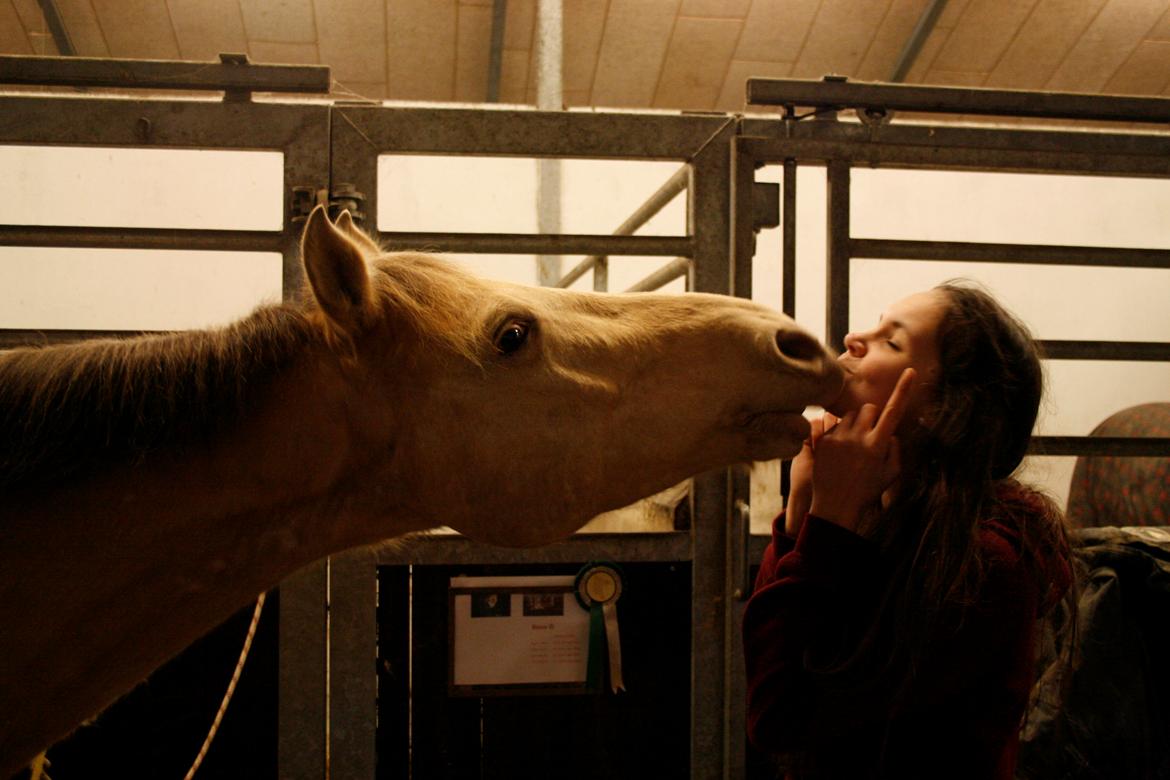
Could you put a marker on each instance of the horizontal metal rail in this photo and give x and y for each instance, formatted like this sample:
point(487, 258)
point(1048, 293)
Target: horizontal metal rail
point(654, 204)
point(1034, 254)
point(901, 151)
point(955, 100)
point(1106, 350)
point(234, 75)
point(446, 549)
point(141, 238)
point(679, 266)
point(538, 244)
point(1096, 446)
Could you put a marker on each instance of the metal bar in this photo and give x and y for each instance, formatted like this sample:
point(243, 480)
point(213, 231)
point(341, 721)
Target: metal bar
point(526, 243)
point(837, 245)
point(742, 222)
point(162, 74)
point(679, 266)
point(1034, 254)
point(1091, 145)
point(940, 156)
point(496, 53)
point(788, 248)
point(301, 713)
point(158, 123)
point(353, 693)
point(437, 549)
point(57, 28)
point(141, 238)
point(708, 206)
point(922, 30)
point(530, 133)
point(1106, 350)
point(956, 100)
point(654, 204)
point(1096, 446)
point(27, 337)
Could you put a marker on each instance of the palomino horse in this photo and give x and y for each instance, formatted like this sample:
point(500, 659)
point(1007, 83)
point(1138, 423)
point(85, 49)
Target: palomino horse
point(151, 487)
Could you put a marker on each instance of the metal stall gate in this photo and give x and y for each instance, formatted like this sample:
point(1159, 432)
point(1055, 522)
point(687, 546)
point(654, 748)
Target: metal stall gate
point(331, 721)
point(811, 133)
point(420, 732)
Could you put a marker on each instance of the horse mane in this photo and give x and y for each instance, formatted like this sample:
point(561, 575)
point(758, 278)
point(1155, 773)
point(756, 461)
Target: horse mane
point(66, 410)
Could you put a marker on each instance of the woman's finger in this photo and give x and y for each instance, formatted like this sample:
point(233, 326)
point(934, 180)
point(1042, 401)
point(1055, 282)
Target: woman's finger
point(895, 408)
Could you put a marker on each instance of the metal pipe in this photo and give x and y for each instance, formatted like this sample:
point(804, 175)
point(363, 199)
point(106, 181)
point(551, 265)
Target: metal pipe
point(1034, 254)
point(1105, 350)
point(537, 244)
point(496, 54)
point(679, 266)
point(161, 74)
point(141, 238)
point(1140, 447)
point(837, 265)
point(550, 47)
point(654, 204)
point(57, 28)
point(913, 46)
point(956, 100)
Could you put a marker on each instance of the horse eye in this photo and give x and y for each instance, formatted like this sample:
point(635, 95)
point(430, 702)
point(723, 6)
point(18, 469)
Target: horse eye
point(512, 337)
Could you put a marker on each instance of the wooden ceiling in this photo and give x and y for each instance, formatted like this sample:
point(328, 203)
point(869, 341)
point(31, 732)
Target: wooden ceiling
point(663, 54)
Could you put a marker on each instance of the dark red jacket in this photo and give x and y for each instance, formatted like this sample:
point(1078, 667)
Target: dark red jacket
point(960, 716)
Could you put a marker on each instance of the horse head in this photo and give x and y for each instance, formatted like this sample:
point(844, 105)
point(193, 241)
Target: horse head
point(514, 413)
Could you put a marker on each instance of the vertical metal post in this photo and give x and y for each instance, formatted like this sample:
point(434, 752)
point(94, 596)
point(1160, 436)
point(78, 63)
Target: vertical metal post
point(788, 247)
point(837, 268)
point(496, 54)
point(708, 203)
point(301, 703)
point(549, 97)
point(301, 741)
point(353, 690)
point(350, 592)
point(742, 244)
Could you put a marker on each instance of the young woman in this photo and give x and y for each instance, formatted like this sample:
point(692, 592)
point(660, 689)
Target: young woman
point(893, 625)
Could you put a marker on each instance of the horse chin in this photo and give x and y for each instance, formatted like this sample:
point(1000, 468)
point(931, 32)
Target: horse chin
point(775, 434)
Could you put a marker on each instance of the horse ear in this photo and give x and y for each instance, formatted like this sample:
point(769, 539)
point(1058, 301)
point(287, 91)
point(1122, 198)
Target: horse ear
point(336, 268)
point(346, 225)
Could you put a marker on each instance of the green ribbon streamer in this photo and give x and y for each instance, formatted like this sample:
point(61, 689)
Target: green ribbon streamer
point(597, 652)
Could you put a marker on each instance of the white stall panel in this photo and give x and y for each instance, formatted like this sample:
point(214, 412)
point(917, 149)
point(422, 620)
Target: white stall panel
point(142, 188)
point(107, 289)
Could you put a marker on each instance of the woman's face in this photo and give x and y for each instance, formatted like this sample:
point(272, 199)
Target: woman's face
point(905, 337)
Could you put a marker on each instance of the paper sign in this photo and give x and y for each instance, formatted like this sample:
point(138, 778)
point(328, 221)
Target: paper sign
point(517, 635)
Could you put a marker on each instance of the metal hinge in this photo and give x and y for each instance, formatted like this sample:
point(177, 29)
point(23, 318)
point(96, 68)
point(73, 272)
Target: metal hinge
point(343, 198)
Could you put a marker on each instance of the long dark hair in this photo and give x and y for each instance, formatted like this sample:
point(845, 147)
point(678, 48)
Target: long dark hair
point(959, 456)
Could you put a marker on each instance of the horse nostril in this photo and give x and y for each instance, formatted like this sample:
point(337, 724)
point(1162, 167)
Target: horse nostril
point(798, 346)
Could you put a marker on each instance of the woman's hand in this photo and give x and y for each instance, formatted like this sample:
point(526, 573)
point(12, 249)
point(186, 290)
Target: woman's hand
point(800, 486)
point(856, 460)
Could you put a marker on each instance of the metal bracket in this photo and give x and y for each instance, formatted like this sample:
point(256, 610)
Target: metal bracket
point(304, 200)
point(235, 94)
point(765, 205)
point(345, 197)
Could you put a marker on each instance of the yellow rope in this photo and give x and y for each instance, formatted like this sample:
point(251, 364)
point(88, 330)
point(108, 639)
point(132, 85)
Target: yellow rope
point(227, 696)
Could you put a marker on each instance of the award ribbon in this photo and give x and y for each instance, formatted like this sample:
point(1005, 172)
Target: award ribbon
point(598, 587)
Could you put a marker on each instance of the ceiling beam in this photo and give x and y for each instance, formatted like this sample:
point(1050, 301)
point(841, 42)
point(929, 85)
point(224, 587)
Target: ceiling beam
point(57, 28)
point(918, 37)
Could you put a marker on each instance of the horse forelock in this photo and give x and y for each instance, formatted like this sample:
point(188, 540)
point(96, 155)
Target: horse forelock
point(438, 301)
point(69, 409)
